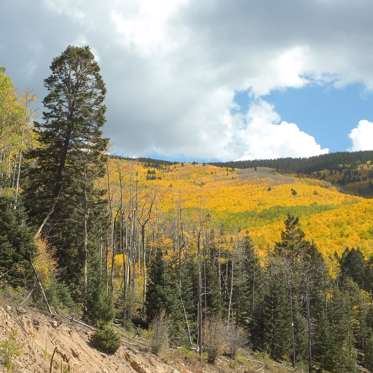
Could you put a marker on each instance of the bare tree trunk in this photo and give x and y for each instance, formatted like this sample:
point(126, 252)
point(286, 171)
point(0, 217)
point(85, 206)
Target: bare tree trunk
point(309, 329)
point(20, 157)
point(109, 281)
point(200, 322)
point(28, 99)
point(253, 294)
point(51, 211)
point(41, 287)
point(185, 316)
point(124, 245)
point(85, 251)
point(289, 283)
point(231, 291)
point(144, 272)
point(86, 216)
point(101, 256)
point(219, 273)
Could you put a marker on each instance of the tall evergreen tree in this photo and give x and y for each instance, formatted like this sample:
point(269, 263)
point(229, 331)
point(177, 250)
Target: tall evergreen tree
point(292, 245)
point(62, 196)
point(339, 355)
point(248, 283)
point(369, 274)
point(277, 318)
point(156, 294)
point(164, 297)
point(17, 247)
point(213, 297)
point(353, 266)
point(368, 353)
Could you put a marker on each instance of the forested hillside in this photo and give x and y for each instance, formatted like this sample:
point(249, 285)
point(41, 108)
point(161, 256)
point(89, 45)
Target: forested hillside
point(351, 171)
point(248, 201)
point(211, 260)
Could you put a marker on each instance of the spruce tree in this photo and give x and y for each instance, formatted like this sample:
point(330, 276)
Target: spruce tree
point(163, 297)
point(214, 304)
point(353, 266)
point(276, 318)
point(247, 291)
point(368, 353)
point(17, 247)
point(156, 293)
point(292, 245)
point(369, 274)
point(342, 353)
point(62, 196)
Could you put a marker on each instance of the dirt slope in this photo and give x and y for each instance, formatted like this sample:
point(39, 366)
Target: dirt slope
point(37, 336)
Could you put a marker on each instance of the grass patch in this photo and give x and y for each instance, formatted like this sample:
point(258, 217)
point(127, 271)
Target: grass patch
point(245, 219)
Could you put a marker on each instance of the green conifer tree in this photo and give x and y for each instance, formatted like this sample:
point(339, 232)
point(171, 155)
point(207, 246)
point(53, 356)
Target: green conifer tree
point(248, 283)
point(368, 353)
point(277, 322)
point(353, 266)
point(62, 196)
point(17, 247)
point(163, 297)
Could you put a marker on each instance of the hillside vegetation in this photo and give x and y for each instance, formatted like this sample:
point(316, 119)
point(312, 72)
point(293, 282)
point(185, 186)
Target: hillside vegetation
point(253, 201)
point(350, 171)
point(212, 264)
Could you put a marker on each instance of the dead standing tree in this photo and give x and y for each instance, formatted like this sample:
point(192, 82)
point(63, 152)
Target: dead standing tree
point(143, 219)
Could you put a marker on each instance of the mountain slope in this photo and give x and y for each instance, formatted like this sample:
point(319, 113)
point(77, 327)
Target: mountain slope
point(40, 343)
point(351, 171)
point(252, 200)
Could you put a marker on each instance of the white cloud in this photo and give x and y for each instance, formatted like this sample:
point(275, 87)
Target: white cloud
point(172, 68)
point(362, 136)
point(264, 135)
point(144, 25)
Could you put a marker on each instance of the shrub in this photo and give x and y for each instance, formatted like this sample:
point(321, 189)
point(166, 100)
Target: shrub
point(159, 334)
point(9, 350)
point(234, 339)
point(106, 340)
point(59, 296)
point(98, 304)
point(213, 337)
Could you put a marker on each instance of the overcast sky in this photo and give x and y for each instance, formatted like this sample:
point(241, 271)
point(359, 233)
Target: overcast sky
point(211, 79)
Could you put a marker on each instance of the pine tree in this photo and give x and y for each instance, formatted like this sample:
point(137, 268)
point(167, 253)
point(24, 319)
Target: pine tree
point(156, 294)
point(276, 318)
point(214, 302)
point(62, 197)
point(163, 297)
point(369, 275)
point(353, 266)
point(368, 353)
point(17, 247)
point(307, 282)
point(292, 245)
point(341, 355)
point(247, 292)
point(98, 304)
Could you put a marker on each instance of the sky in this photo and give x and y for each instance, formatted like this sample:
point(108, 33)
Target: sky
point(213, 79)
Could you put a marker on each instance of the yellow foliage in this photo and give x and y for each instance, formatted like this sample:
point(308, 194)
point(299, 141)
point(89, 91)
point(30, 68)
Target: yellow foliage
point(44, 263)
point(248, 202)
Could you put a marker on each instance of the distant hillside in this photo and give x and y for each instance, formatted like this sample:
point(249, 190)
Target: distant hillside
point(351, 171)
point(253, 200)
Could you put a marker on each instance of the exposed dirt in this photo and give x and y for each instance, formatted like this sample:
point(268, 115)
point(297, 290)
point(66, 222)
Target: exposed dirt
point(38, 335)
point(264, 173)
